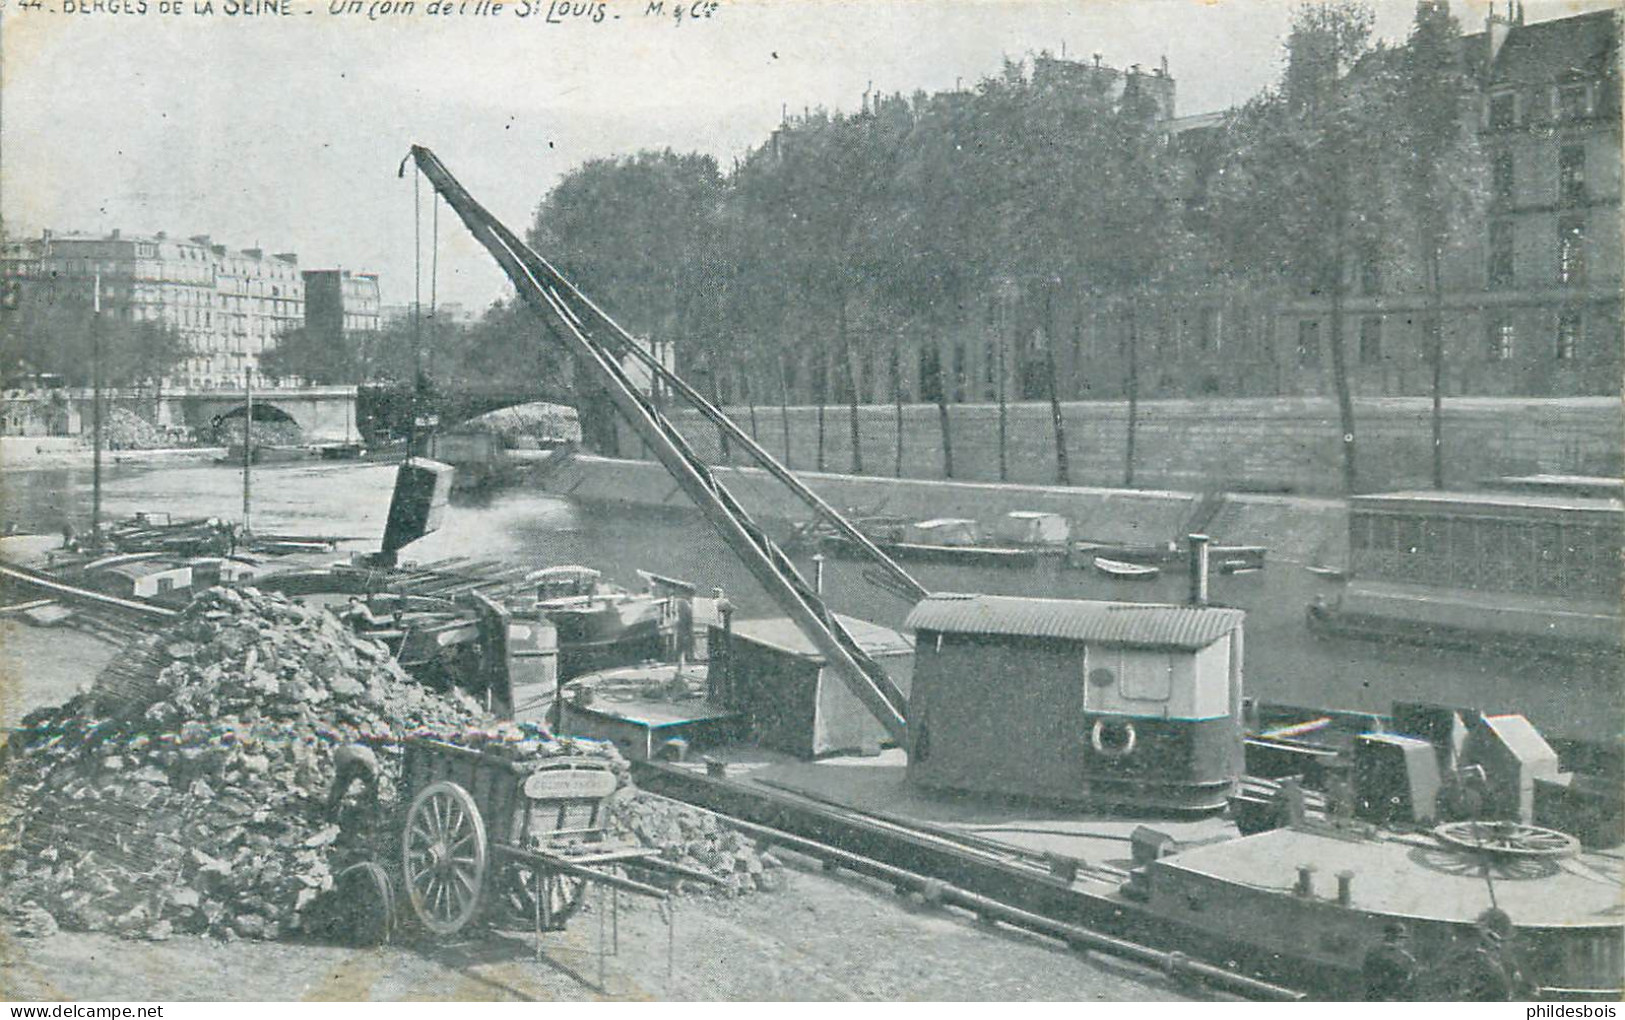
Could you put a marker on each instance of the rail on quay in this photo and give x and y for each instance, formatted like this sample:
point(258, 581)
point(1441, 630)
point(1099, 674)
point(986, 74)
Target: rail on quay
point(1003, 890)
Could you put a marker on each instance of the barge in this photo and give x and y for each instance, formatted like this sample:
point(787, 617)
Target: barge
point(1523, 571)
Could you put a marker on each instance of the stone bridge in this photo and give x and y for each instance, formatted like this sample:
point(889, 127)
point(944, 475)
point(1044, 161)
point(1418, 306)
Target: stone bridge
point(324, 414)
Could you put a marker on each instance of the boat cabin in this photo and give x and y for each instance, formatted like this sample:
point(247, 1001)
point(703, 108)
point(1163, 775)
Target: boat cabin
point(564, 582)
point(1115, 703)
point(772, 674)
point(955, 531)
point(1527, 564)
point(1034, 527)
point(139, 576)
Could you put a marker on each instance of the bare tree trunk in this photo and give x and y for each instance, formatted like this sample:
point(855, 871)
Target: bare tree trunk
point(823, 395)
point(784, 408)
point(1004, 414)
point(1063, 475)
point(851, 367)
point(897, 399)
point(943, 424)
point(1132, 381)
point(750, 401)
point(1340, 373)
point(1436, 356)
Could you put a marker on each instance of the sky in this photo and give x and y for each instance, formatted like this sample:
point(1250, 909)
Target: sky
point(283, 130)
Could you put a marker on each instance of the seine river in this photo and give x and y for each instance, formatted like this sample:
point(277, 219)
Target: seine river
point(1284, 663)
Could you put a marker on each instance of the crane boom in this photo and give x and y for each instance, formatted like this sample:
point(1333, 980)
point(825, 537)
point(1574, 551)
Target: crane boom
point(566, 311)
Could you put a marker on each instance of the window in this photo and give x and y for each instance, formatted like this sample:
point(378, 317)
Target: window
point(1568, 335)
point(1573, 102)
point(1309, 342)
point(1146, 676)
point(1571, 174)
point(1503, 110)
point(1371, 274)
point(1502, 181)
point(1370, 340)
point(1570, 249)
point(1500, 268)
point(1432, 337)
point(1501, 336)
point(1208, 329)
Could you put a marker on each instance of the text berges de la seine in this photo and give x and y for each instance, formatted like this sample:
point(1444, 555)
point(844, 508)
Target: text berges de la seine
point(550, 11)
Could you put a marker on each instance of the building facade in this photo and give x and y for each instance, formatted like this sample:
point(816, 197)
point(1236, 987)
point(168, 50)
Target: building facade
point(339, 302)
point(1531, 303)
point(229, 305)
point(1532, 287)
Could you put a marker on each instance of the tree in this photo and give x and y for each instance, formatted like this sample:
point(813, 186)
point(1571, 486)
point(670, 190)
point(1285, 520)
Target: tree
point(316, 357)
point(1302, 194)
point(50, 332)
point(1441, 167)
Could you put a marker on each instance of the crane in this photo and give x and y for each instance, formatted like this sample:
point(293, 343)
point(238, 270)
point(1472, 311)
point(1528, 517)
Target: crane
point(594, 339)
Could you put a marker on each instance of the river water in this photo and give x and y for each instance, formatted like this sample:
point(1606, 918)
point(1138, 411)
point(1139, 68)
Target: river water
point(1284, 662)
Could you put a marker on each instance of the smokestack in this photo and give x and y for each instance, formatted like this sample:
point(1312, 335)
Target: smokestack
point(1306, 880)
point(1198, 560)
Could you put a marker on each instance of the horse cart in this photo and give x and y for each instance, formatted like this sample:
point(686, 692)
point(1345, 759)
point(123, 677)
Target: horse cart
point(483, 839)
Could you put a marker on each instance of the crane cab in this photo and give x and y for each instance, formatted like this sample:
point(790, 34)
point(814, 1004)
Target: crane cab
point(1111, 703)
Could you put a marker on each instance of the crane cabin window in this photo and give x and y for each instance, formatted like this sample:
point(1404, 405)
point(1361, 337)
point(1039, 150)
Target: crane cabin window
point(1146, 676)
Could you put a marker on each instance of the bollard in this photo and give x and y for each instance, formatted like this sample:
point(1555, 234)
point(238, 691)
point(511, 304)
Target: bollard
point(1306, 880)
point(1345, 888)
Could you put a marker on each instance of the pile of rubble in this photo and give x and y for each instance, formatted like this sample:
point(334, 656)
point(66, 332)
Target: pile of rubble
point(187, 791)
point(698, 839)
point(123, 429)
point(266, 433)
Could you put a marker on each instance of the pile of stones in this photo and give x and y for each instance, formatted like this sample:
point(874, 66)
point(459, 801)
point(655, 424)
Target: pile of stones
point(699, 840)
point(188, 789)
point(123, 429)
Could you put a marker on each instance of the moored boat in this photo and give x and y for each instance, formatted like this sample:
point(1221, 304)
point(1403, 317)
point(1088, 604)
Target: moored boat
point(1121, 571)
point(947, 540)
point(1472, 570)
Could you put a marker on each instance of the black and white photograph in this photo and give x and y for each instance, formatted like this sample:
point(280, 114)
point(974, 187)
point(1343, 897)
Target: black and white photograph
point(737, 501)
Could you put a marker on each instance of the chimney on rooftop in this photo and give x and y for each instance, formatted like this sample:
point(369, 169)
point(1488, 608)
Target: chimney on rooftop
point(1497, 27)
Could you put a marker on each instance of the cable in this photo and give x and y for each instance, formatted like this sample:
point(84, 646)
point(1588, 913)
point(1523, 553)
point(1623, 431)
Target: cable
point(434, 282)
point(417, 313)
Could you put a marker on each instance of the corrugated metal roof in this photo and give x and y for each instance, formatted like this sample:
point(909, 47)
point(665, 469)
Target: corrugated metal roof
point(1485, 502)
point(1116, 623)
point(782, 633)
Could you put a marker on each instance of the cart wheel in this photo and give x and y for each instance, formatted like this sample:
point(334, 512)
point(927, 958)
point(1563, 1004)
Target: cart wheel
point(367, 901)
point(561, 896)
point(443, 857)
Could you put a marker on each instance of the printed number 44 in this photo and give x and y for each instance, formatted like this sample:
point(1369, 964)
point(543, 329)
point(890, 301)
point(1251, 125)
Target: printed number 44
point(31, 5)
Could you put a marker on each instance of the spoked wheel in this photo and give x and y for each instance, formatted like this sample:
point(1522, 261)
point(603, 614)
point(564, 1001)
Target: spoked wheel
point(1507, 839)
point(560, 897)
point(443, 857)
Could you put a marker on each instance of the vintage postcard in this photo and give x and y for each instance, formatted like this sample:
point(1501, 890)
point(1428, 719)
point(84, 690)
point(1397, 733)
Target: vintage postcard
point(736, 500)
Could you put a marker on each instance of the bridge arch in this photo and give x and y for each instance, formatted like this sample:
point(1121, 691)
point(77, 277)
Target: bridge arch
point(266, 411)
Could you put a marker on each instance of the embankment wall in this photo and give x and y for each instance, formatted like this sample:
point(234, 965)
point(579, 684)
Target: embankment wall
point(1296, 529)
point(1265, 445)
